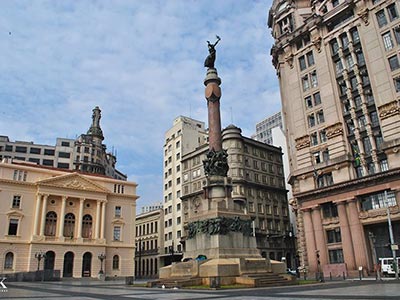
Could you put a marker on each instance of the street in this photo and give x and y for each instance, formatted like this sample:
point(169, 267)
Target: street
point(90, 289)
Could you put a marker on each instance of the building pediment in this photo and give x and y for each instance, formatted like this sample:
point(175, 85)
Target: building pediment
point(73, 181)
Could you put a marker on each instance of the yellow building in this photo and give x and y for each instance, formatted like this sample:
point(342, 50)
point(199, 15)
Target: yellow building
point(68, 219)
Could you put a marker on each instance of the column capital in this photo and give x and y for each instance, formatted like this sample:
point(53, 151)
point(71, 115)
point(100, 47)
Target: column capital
point(64, 198)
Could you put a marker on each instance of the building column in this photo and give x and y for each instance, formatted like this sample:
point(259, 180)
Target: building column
point(103, 219)
point(37, 212)
point(319, 235)
point(357, 235)
point(97, 229)
point(81, 202)
point(347, 243)
point(44, 207)
point(310, 240)
point(62, 216)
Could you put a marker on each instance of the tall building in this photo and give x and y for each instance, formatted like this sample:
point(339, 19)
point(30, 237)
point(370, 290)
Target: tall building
point(86, 154)
point(66, 223)
point(185, 135)
point(338, 66)
point(264, 128)
point(257, 177)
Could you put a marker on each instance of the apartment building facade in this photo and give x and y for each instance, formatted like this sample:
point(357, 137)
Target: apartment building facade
point(148, 242)
point(338, 66)
point(184, 136)
point(256, 172)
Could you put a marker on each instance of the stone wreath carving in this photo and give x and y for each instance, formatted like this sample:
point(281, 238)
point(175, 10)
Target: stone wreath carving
point(219, 225)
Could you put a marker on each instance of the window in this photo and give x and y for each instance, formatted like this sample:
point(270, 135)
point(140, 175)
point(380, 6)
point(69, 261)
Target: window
point(334, 46)
point(314, 139)
point(329, 210)
point(367, 145)
point(377, 200)
point(317, 98)
point(87, 222)
point(117, 233)
point(65, 144)
point(178, 220)
point(260, 208)
point(396, 82)
point(306, 84)
point(339, 68)
point(35, 150)
point(396, 32)
point(48, 162)
point(302, 63)
point(64, 154)
point(349, 62)
point(63, 165)
point(308, 102)
point(322, 136)
point(310, 58)
point(9, 261)
point(311, 120)
point(20, 149)
point(117, 212)
point(115, 262)
point(13, 227)
point(345, 41)
point(69, 225)
point(381, 18)
point(336, 256)
point(394, 62)
point(333, 236)
point(251, 207)
point(387, 41)
point(16, 203)
point(392, 11)
point(178, 207)
point(51, 224)
point(314, 79)
point(320, 117)
point(354, 35)
point(49, 152)
point(384, 165)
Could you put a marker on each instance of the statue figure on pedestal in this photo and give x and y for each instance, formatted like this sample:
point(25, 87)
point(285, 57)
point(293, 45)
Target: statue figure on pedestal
point(210, 59)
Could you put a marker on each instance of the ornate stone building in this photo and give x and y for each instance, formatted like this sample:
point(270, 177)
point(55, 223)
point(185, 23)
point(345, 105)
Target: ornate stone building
point(257, 177)
point(338, 66)
point(53, 219)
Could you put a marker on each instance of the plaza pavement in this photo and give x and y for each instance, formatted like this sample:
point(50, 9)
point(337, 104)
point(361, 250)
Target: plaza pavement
point(93, 289)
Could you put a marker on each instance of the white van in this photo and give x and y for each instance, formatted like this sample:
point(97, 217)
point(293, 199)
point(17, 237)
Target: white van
point(387, 265)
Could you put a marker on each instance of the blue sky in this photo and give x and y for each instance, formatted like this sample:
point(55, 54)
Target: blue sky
point(141, 62)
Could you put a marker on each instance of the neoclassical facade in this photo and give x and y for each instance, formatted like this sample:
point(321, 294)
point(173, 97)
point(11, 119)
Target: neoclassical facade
point(72, 219)
point(338, 66)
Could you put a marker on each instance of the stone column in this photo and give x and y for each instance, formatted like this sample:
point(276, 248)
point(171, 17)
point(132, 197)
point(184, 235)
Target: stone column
point(62, 216)
point(310, 240)
point(37, 212)
point(97, 229)
point(319, 235)
point(103, 219)
point(347, 243)
point(213, 94)
point(44, 207)
point(357, 235)
point(81, 202)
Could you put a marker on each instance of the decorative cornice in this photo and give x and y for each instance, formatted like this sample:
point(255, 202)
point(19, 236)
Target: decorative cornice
point(302, 142)
point(388, 110)
point(334, 130)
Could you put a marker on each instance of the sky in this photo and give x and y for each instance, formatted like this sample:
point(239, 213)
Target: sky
point(141, 62)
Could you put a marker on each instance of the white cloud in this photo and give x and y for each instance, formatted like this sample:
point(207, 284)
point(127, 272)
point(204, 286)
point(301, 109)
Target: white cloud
point(141, 62)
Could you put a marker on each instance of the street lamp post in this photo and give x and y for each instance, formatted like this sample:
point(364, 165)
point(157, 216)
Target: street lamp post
point(375, 258)
point(392, 244)
point(39, 255)
point(102, 257)
point(140, 257)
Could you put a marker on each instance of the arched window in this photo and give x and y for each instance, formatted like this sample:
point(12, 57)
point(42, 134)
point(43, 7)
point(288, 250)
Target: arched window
point(9, 261)
point(69, 225)
point(115, 262)
point(51, 224)
point(87, 226)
